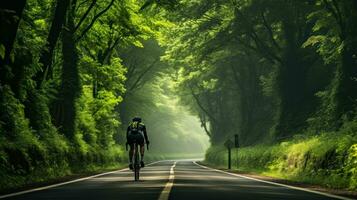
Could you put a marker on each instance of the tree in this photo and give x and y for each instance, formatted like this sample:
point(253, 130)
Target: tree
point(334, 39)
point(70, 88)
point(10, 16)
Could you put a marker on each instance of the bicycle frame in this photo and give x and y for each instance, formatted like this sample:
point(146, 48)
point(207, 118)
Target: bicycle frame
point(136, 164)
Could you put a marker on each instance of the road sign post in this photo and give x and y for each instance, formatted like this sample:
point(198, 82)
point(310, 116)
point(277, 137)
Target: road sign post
point(229, 144)
point(236, 145)
point(229, 159)
point(236, 141)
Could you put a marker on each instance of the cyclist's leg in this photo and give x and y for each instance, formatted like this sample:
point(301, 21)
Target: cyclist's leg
point(131, 154)
point(142, 150)
point(131, 151)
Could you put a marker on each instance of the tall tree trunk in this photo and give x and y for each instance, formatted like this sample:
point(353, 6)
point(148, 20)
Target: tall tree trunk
point(346, 75)
point(10, 16)
point(247, 81)
point(346, 95)
point(52, 38)
point(291, 81)
point(344, 85)
point(70, 88)
point(35, 109)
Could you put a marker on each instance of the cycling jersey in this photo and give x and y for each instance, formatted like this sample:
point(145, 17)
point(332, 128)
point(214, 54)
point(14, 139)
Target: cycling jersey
point(136, 132)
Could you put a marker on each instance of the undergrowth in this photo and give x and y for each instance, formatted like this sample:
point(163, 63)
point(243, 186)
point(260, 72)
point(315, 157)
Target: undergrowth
point(329, 159)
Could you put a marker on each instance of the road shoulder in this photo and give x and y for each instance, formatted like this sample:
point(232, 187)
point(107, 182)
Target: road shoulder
point(317, 188)
point(63, 181)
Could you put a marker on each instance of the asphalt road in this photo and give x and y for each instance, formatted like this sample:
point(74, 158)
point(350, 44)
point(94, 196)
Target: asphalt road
point(174, 180)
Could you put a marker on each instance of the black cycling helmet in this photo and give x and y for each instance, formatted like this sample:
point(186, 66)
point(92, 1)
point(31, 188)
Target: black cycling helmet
point(136, 119)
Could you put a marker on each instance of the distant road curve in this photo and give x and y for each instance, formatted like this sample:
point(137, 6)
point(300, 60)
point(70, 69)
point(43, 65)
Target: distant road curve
point(174, 180)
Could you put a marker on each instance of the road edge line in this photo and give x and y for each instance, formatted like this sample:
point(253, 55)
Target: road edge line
point(165, 193)
point(278, 184)
point(67, 182)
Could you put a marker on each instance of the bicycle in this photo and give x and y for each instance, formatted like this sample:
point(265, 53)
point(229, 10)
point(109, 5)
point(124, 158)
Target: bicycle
point(136, 164)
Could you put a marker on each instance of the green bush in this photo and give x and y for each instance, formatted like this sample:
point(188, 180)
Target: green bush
point(32, 150)
point(329, 159)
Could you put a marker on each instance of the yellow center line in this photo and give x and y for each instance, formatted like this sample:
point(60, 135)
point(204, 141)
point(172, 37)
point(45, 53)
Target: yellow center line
point(166, 191)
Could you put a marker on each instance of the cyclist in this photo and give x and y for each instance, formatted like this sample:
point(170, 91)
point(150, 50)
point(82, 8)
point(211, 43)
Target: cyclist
point(136, 132)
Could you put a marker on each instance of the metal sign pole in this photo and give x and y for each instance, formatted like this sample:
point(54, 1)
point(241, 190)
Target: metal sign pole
point(236, 145)
point(229, 144)
point(237, 157)
point(229, 158)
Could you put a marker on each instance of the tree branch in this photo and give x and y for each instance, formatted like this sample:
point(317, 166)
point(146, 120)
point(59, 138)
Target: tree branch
point(203, 124)
point(94, 20)
point(85, 15)
point(267, 26)
point(195, 96)
point(236, 78)
point(338, 12)
point(82, 3)
point(135, 85)
point(335, 13)
point(108, 51)
point(146, 4)
point(263, 48)
point(131, 70)
point(255, 49)
point(85, 47)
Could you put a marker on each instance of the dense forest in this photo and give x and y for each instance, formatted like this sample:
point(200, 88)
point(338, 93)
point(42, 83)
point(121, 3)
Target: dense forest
point(279, 73)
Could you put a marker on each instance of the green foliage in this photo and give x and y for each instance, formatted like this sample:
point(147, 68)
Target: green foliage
point(332, 39)
point(33, 147)
point(278, 73)
point(171, 128)
point(86, 124)
point(351, 166)
point(259, 58)
point(2, 51)
point(21, 151)
point(328, 159)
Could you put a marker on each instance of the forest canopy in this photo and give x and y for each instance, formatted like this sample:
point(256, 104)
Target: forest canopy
point(73, 73)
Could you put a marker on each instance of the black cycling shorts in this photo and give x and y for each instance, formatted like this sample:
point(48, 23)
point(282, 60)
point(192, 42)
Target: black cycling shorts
point(136, 138)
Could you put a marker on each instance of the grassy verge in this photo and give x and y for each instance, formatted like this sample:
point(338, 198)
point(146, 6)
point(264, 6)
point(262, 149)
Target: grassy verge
point(51, 172)
point(63, 167)
point(38, 180)
point(329, 160)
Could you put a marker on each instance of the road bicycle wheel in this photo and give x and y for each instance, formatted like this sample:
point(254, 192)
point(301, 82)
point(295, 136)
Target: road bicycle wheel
point(136, 174)
point(136, 164)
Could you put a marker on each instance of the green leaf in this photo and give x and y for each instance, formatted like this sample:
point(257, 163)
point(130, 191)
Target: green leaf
point(314, 40)
point(2, 51)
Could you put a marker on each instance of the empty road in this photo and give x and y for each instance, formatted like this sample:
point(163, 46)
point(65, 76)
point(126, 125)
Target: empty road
point(174, 180)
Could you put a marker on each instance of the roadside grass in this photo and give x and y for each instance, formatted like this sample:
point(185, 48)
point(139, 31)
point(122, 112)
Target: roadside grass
point(60, 170)
point(329, 160)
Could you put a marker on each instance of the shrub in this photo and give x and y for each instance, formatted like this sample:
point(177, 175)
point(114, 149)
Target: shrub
point(329, 159)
